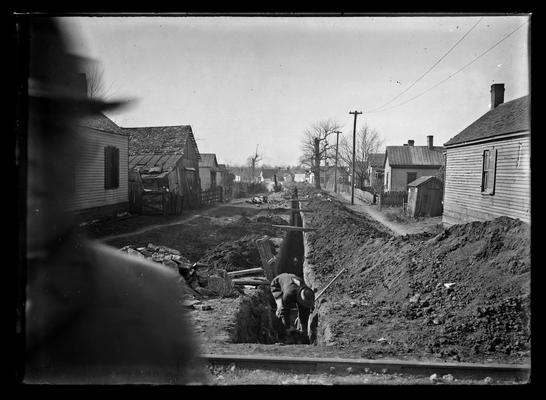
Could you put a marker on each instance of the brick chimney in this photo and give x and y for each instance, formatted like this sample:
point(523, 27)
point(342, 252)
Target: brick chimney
point(497, 94)
point(411, 142)
point(430, 143)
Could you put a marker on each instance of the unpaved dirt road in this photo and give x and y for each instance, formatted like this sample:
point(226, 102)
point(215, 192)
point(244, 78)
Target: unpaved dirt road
point(373, 311)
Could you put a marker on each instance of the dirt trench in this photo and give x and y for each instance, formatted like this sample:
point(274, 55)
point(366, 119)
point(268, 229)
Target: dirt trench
point(256, 320)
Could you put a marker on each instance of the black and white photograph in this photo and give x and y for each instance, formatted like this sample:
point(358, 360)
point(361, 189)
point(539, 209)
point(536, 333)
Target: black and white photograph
point(273, 199)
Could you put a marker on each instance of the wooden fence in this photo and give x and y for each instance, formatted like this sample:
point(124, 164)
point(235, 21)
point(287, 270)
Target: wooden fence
point(393, 199)
point(211, 196)
point(227, 192)
point(364, 195)
point(153, 202)
point(135, 197)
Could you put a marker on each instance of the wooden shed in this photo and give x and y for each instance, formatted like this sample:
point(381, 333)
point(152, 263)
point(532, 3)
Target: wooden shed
point(425, 197)
point(167, 159)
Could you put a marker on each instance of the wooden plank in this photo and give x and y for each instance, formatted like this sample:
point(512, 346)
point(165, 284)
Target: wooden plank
point(248, 281)
point(246, 272)
point(266, 256)
point(293, 228)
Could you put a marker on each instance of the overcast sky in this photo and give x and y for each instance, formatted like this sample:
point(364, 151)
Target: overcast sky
point(247, 81)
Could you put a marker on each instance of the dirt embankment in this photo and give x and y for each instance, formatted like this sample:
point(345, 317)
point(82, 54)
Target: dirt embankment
point(460, 295)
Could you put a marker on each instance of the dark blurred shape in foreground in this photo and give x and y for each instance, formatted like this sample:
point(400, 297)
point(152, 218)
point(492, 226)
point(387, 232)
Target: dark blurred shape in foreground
point(93, 314)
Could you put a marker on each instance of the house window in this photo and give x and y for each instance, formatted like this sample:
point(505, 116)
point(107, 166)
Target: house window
point(489, 166)
point(111, 167)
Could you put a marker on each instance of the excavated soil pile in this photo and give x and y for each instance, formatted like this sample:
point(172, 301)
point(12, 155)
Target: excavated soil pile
point(460, 295)
point(234, 256)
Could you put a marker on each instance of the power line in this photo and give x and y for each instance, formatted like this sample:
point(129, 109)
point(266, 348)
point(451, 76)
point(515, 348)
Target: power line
point(455, 73)
point(430, 69)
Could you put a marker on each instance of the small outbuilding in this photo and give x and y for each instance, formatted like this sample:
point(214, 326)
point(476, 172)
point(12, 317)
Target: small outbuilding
point(425, 197)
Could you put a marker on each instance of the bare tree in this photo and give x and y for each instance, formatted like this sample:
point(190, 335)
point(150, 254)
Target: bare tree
point(96, 88)
point(368, 142)
point(252, 163)
point(316, 147)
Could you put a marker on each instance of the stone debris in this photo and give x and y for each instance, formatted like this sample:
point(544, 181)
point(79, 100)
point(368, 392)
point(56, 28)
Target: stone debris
point(448, 378)
point(205, 280)
point(257, 200)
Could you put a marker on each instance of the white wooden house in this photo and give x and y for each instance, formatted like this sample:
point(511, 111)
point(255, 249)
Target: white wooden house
point(488, 171)
point(101, 177)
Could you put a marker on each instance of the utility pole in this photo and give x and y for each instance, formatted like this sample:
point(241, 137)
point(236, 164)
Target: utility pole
point(354, 151)
point(335, 171)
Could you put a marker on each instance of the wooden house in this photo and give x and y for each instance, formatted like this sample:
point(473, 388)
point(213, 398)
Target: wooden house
point(376, 170)
point(101, 177)
point(404, 164)
point(208, 168)
point(488, 164)
point(425, 197)
point(268, 175)
point(300, 174)
point(167, 158)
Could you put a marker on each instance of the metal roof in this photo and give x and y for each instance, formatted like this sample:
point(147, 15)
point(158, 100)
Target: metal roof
point(415, 156)
point(208, 160)
point(144, 162)
point(267, 173)
point(419, 181)
point(510, 117)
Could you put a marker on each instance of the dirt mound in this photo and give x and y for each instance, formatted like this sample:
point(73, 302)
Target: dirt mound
point(462, 294)
point(235, 255)
point(272, 219)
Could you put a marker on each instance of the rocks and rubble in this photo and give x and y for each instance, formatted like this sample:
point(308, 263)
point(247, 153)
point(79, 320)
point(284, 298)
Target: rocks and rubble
point(203, 279)
point(257, 200)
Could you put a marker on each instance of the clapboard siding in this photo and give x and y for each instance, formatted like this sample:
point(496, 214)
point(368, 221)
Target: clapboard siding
point(463, 199)
point(204, 175)
point(89, 176)
point(397, 176)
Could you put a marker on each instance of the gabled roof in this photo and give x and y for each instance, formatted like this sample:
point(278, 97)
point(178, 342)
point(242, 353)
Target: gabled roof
point(298, 170)
point(144, 162)
point(377, 160)
point(160, 139)
point(509, 117)
point(402, 156)
point(208, 160)
point(421, 180)
point(267, 173)
point(102, 123)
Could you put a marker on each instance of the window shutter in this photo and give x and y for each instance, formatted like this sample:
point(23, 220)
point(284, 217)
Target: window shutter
point(485, 156)
point(492, 170)
point(107, 167)
point(115, 167)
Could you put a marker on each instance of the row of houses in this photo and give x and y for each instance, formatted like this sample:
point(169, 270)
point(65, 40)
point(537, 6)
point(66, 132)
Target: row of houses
point(155, 159)
point(484, 171)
